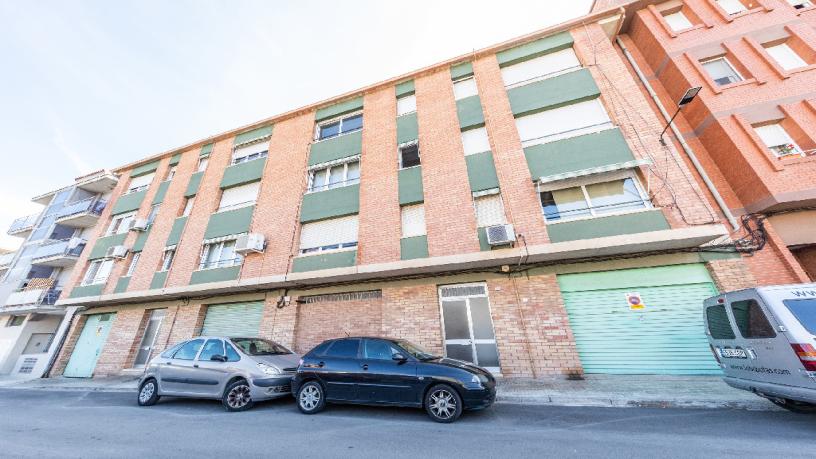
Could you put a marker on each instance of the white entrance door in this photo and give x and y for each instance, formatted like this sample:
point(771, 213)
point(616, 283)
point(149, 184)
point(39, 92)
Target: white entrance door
point(468, 326)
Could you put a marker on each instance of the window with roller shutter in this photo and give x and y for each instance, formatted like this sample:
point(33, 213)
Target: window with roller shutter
point(332, 234)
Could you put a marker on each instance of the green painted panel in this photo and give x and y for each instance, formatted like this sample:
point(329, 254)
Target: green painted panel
point(193, 184)
point(481, 171)
point(254, 134)
point(144, 169)
point(229, 222)
point(406, 87)
point(250, 171)
point(161, 192)
point(342, 108)
point(410, 186)
point(175, 159)
point(330, 203)
point(407, 128)
point(103, 243)
point(535, 48)
point(325, 261)
point(176, 231)
point(206, 150)
point(138, 246)
point(570, 88)
point(633, 278)
point(128, 202)
point(336, 148)
point(578, 153)
point(414, 247)
point(483, 244)
point(158, 280)
point(215, 275)
point(87, 290)
point(122, 284)
point(614, 225)
point(469, 111)
point(462, 70)
point(233, 320)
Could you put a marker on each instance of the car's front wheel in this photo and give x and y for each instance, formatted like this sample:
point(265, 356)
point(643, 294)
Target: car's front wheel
point(237, 396)
point(311, 398)
point(148, 393)
point(443, 403)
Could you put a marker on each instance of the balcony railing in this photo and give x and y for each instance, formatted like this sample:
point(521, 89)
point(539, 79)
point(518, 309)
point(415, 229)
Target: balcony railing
point(23, 224)
point(36, 297)
point(93, 206)
point(6, 259)
point(60, 248)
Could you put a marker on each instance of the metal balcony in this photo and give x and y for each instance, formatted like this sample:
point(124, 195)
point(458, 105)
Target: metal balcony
point(35, 300)
point(58, 253)
point(6, 260)
point(81, 214)
point(23, 226)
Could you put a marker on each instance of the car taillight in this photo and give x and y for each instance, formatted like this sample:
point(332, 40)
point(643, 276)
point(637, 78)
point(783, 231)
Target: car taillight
point(714, 351)
point(807, 355)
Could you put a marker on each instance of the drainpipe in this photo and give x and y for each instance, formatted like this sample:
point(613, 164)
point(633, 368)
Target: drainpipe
point(686, 148)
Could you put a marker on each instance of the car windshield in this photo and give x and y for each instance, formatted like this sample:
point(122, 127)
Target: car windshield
point(805, 313)
point(415, 350)
point(256, 346)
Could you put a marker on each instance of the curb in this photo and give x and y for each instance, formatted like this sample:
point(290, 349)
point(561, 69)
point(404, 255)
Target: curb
point(548, 400)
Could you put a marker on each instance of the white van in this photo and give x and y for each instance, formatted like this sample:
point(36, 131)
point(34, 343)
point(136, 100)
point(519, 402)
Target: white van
point(764, 340)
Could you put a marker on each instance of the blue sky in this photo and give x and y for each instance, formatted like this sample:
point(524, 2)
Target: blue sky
point(97, 84)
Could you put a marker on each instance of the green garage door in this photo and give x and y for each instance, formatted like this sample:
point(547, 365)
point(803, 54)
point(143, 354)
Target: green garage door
point(662, 335)
point(233, 320)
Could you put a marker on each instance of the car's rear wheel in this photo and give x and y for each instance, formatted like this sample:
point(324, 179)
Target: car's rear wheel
point(237, 396)
point(148, 393)
point(443, 403)
point(794, 405)
point(311, 398)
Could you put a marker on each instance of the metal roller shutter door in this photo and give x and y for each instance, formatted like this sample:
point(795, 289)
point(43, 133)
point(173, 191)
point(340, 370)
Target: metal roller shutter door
point(667, 337)
point(233, 320)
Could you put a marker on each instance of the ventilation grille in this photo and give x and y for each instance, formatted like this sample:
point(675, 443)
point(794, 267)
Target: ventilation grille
point(334, 297)
point(28, 365)
point(463, 290)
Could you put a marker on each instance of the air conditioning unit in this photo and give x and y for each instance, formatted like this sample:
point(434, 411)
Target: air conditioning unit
point(248, 243)
point(500, 234)
point(138, 224)
point(116, 251)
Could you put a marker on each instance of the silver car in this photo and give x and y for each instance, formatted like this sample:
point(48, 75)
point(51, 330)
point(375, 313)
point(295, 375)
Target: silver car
point(238, 371)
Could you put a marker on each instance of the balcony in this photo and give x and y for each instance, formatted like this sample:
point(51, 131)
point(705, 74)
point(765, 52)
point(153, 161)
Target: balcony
point(58, 253)
point(23, 226)
point(81, 214)
point(99, 182)
point(6, 260)
point(34, 300)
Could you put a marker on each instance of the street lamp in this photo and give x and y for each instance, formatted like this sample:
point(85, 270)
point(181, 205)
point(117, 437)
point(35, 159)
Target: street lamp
point(690, 94)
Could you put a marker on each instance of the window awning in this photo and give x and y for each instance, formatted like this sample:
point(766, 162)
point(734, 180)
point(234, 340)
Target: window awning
point(229, 237)
point(594, 170)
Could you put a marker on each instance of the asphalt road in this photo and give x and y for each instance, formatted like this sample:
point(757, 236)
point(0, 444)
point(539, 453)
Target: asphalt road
point(38, 423)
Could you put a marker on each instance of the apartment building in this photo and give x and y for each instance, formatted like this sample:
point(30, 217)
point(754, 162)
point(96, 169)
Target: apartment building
point(34, 277)
point(511, 207)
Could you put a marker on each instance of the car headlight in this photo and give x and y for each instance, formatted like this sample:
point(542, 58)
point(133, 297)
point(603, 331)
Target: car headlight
point(478, 379)
point(268, 369)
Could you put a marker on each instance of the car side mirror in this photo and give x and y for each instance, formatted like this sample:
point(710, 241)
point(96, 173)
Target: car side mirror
point(398, 357)
point(219, 358)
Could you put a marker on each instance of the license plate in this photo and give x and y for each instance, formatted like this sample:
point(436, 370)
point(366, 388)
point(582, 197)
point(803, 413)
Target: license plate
point(733, 353)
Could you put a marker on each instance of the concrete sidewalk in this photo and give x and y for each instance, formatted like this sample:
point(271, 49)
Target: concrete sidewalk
point(594, 390)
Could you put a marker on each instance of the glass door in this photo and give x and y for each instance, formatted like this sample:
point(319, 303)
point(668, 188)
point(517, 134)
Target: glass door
point(149, 338)
point(468, 326)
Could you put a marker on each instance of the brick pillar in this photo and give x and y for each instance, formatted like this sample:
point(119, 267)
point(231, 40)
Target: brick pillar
point(449, 215)
point(278, 324)
point(117, 351)
point(412, 312)
point(380, 224)
point(167, 325)
point(188, 322)
point(731, 274)
point(521, 201)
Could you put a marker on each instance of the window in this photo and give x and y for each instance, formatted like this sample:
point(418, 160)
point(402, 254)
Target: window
point(239, 196)
point(564, 122)
point(593, 200)
point(777, 140)
point(344, 349)
point(154, 211)
point(800, 4)
point(335, 175)
point(465, 87)
point(409, 155)
point(250, 152)
point(732, 6)
point(232, 354)
point(406, 104)
point(220, 254)
point(721, 71)
point(750, 320)
point(188, 206)
point(805, 313)
point(475, 141)
point(413, 220)
point(718, 324)
point(211, 348)
point(258, 346)
point(489, 210)
point(139, 183)
point(202, 163)
point(15, 321)
point(377, 349)
point(98, 272)
point(167, 258)
point(333, 128)
point(170, 173)
point(321, 348)
point(677, 21)
point(121, 223)
point(546, 66)
point(168, 354)
point(132, 265)
point(189, 350)
point(785, 56)
point(332, 234)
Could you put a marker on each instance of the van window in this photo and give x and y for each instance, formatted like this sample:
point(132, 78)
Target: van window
point(718, 324)
point(805, 313)
point(750, 320)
